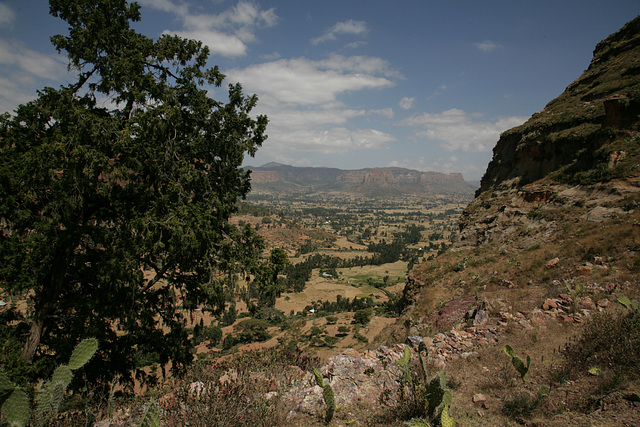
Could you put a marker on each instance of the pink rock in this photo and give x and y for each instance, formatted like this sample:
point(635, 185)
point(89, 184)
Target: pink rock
point(479, 397)
point(587, 303)
point(549, 304)
point(351, 352)
point(553, 262)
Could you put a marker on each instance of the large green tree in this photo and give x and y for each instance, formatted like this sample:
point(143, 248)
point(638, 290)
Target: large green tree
point(116, 191)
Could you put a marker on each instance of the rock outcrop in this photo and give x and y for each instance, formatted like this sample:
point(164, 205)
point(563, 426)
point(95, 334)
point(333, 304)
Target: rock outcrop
point(599, 107)
point(581, 150)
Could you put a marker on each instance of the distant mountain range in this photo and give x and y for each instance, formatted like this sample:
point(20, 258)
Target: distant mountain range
point(277, 177)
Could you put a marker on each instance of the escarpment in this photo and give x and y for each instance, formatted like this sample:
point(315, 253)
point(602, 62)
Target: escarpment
point(568, 135)
point(580, 150)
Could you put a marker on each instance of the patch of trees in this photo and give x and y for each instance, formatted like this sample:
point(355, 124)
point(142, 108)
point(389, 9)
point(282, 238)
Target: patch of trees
point(245, 208)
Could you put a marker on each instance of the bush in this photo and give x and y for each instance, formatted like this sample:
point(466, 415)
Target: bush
point(331, 320)
point(244, 398)
point(362, 316)
point(271, 315)
point(213, 333)
point(609, 342)
point(343, 329)
point(251, 330)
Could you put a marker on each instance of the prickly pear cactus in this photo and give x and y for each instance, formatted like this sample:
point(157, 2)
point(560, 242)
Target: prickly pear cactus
point(53, 392)
point(15, 410)
point(330, 399)
point(151, 416)
point(403, 365)
point(62, 375)
point(423, 348)
point(318, 378)
point(83, 353)
point(518, 363)
point(15, 402)
point(445, 419)
point(403, 362)
point(418, 422)
point(328, 396)
point(6, 387)
point(438, 395)
point(628, 303)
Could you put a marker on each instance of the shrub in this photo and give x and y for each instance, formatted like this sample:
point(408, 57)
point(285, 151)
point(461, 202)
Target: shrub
point(243, 399)
point(247, 331)
point(609, 342)
point(213, 333)
point(343, 329)
point(331, 320)
point(271, 315)
point(362, 316)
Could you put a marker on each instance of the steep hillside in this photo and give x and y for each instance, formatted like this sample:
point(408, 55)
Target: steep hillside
point(557, 216)
point(564, 184)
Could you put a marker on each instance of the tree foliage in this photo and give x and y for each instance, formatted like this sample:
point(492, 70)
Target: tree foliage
point(116, 190)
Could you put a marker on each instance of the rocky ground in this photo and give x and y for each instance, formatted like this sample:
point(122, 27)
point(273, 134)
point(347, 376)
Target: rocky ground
point(367, 383)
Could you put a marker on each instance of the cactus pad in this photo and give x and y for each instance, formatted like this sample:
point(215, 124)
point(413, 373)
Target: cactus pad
point(404, 361)
point(517, 362)
point(445, 419)
point(330, 399)
point(62, 375)
point(6, 386)
point(318, 378)
point(15, 410)
point(151, 417)
point(83, 352)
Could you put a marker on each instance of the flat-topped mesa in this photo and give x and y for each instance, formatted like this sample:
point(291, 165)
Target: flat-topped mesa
point(373, 180)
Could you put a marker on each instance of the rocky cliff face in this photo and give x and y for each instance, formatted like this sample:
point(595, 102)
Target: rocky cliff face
point(581, 149)
point(599, 107)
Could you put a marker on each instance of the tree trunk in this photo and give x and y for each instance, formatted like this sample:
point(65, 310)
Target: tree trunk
point(46, 302)
point(33, 341)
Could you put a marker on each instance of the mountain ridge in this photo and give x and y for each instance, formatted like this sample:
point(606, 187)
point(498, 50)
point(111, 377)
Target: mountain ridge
point(371, 181)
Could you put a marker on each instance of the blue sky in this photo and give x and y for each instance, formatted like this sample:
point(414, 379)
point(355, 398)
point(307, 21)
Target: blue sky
point(422, 84)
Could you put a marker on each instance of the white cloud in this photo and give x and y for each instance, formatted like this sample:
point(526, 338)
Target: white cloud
point(487, 46)
point(270, 56)
point(22, 72)
point(301, 97)
point(226, 33)
point(407, 103)
point(457, 130)
point(346, 27)
point(34, 63)
point(304, 82)
point(331, 140)
point(11, 96)
point(220, 43)
point(359, 64)
point(7, 16)
point(166, 6)
point(355, 45)
point(384, 112)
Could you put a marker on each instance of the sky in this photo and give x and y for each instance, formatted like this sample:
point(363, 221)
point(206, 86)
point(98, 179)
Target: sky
point(420, 84)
